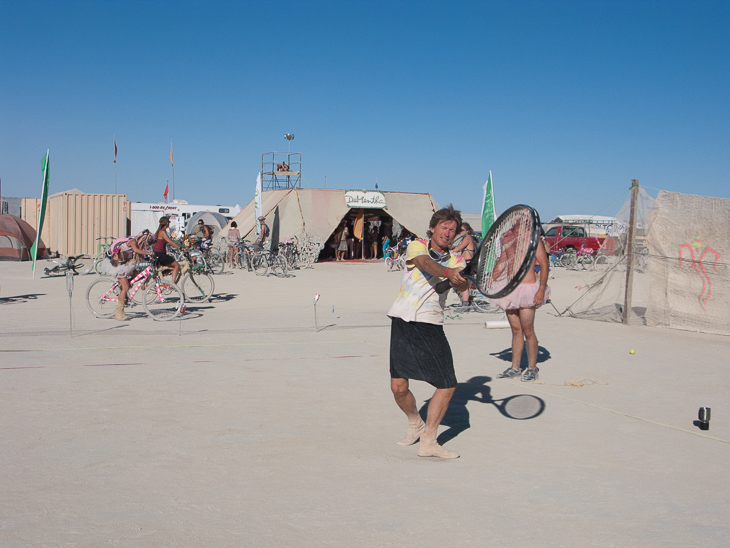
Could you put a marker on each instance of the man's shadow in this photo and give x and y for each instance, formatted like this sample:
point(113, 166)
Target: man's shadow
point(543, 355)
point(457, 415)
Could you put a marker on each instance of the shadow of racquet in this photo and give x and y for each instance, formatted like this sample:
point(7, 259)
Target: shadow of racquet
point(476, 389)
point(520, 406)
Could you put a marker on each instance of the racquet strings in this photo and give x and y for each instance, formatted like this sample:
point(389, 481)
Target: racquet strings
point(505, 252)
point(523, 407)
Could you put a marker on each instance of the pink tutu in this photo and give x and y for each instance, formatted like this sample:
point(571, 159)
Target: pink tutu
point(123, 270)
point(522, 297)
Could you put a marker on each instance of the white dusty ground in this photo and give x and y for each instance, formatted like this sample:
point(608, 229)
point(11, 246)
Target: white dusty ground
point(243, 425)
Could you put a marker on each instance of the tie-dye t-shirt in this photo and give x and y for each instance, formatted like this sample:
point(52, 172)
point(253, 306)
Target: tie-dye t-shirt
point(417, 300)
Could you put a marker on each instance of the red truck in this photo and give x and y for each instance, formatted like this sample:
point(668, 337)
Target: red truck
point(566, 237)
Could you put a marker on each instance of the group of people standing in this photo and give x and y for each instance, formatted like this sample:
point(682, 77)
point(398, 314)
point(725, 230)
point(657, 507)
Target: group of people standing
point(368, 246)
point(419, 349)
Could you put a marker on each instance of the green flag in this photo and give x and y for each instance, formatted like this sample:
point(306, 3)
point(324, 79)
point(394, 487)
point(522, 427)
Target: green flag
point(45, 166)
point(488, 215)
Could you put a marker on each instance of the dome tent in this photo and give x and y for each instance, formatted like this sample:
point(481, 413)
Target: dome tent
point(211, 218)
point(16, 239)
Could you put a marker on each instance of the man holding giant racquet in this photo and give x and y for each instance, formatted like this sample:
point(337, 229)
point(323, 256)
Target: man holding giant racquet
point(418, 346)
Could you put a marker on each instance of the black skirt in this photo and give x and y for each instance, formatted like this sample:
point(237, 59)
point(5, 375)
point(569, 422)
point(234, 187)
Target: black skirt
point(420, 351)
point(163, 259)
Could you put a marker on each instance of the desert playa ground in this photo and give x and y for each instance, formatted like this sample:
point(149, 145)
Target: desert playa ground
point(248, 424)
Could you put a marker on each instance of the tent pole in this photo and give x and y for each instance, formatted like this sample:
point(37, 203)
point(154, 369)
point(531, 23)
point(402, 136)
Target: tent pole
point(630, 253)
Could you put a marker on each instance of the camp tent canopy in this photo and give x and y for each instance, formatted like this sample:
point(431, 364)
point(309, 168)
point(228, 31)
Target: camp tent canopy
point(16, 239)
point(413, 211)
point(318, 212)
point(211, 218)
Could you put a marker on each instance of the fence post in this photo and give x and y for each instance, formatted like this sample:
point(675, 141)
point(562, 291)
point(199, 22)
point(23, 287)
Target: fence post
point(630, 253)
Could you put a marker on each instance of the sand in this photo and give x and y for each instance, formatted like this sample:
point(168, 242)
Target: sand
point(248, 424)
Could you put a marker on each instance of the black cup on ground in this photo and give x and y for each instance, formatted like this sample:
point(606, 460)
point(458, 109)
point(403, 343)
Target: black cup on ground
point(704, 418)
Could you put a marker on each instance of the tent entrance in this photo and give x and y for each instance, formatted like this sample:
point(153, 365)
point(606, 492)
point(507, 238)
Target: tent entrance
point(367, 229)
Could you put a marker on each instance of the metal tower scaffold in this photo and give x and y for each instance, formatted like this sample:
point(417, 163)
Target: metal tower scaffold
point(281, 170)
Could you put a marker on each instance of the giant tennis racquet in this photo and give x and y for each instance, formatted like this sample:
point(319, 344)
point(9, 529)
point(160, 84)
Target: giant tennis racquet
point(505, 255)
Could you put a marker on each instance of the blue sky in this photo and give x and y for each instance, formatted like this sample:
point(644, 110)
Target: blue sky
point(564, 101)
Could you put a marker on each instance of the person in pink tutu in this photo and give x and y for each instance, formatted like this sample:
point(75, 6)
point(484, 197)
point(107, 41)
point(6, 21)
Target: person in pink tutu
point(520, 306)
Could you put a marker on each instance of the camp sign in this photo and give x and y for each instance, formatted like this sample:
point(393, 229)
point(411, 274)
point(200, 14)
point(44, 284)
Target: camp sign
point(365, 199)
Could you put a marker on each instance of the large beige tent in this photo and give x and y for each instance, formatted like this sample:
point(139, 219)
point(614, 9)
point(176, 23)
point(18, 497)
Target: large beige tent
point(317, 212)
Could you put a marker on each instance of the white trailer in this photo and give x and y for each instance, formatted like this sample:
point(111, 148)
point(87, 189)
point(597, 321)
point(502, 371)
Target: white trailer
point(147, 215)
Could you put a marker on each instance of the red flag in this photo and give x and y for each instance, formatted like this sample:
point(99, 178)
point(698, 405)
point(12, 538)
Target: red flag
point(167, 187)
point(170, 151)
point(115, 151)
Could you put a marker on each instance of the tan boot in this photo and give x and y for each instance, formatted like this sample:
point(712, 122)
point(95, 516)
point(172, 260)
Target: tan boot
point(120, 311)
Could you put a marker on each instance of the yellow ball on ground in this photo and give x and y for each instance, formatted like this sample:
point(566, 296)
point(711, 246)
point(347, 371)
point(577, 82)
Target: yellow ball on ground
point(632, 351)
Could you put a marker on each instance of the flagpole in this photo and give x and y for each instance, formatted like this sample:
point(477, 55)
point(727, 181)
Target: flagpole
point(172, 165)
point(115, 164)
point(42, 212)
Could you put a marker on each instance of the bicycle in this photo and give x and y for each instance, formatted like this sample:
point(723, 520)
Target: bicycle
point(102, 248)
point(309, 249)
point(394, 261)
point(264, 261)
point(290, 252)
point(213, 260)
point(242, 256)
point(197, 284)
point(69, 264)
point(162, 300)
point(583, 257)
point(604, 261)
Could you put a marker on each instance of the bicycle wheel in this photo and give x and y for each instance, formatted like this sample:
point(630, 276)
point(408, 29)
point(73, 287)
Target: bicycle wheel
point(166, 304)
point(568, 260)
point(216, 262)
point(389, 264)
point(260, 264)
point(602, 263)
point(97, 263)
point(589, 262)
point(198, 287)
point(279, 266)
point(102, 297)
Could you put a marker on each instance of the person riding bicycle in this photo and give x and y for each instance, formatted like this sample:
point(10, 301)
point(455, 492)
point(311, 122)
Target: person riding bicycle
point(122, 265)
point(160, 249)
point(206, 233)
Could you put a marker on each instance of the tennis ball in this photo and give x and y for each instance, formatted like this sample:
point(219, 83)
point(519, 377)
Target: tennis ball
point(632, 351)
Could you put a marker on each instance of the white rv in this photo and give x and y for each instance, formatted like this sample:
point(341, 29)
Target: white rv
point(147, 216)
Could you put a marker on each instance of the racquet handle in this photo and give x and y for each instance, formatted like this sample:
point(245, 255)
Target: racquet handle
point(444, 286)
